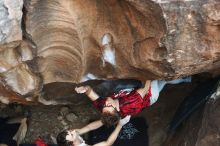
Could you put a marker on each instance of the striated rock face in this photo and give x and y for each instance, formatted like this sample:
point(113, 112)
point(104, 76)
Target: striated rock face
point(71, 41)
point(78, 40)
point(121, 39)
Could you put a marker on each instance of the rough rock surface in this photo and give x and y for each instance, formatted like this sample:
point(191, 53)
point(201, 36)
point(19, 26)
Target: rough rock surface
point(148, 40)
point(17, 71)
point(75, 41)
point(10, 22)
point(70, 37)
point(16, 75)
point(78, 40)
point(193, 35)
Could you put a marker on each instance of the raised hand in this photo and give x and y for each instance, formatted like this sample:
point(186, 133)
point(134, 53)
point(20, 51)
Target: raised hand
point(125, 120)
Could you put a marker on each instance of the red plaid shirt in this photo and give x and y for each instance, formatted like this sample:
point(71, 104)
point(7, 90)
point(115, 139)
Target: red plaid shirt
point(130, 103)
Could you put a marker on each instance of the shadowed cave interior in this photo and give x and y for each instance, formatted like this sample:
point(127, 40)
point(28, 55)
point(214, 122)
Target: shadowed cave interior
point(157, 123)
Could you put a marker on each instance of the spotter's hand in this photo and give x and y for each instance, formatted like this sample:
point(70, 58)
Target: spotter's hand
point(125, 120)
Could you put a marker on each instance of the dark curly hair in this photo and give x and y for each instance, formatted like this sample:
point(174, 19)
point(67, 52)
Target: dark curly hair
point(110, 119)
point(61, 139)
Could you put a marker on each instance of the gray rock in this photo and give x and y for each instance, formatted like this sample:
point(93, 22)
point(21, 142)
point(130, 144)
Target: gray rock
point(63, 122)
point(10, 21)
point(60, 118)
point(71, 117)
point(64, 111)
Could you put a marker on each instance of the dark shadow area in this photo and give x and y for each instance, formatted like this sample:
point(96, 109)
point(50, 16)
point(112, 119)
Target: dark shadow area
point(36, 145)
point(182, 99)
point(133, 133)
point(196, 119)
point(64, 92)
point(193, 101)
point(7, 131)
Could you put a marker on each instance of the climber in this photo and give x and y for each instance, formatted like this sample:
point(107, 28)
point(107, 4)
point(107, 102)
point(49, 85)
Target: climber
point(73, 138)
point(125, 102)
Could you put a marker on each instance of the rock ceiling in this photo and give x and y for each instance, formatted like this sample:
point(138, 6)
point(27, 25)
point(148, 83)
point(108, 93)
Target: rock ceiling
point(44, 41)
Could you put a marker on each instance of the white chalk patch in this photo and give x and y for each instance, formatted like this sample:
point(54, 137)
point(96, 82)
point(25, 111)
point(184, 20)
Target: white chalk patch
point(216, 94)
point(168, 1)
point(45, 102)
point(170, 60)
point(4, 100)
point(164, 15)
point(87, 77)
point(28, 99)
point(172, 31)
point(106, 39)
point(189, 16)
point(31, 98)
point(161, 1)
point(180, 51)
point(2, 69)
point(213, 96)
point(108, 51)
point(91, 76)
point(109, 56)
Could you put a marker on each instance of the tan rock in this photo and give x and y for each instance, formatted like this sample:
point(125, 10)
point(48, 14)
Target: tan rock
point(22, 80)
point(149, 40)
